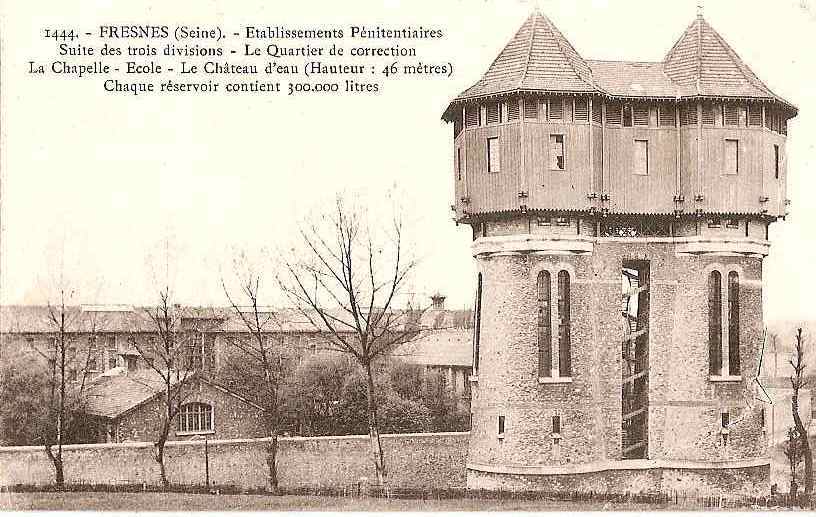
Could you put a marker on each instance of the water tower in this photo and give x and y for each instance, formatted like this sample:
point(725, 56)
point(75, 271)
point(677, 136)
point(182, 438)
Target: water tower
point(620, 216)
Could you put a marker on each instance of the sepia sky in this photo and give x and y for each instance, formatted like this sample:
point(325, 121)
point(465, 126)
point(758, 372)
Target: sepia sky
point(94, 186)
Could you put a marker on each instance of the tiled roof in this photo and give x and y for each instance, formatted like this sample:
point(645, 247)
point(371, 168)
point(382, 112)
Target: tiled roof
point(447, 347)
point(540, 58)
point(114, 392)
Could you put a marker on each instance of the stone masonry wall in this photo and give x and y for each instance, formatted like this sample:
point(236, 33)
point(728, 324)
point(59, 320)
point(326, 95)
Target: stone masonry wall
point(413, 460)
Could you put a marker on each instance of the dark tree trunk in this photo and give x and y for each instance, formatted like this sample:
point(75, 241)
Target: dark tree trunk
point(56, 460)
point(271, 462)
point(373, 428)
point(159, 455)
point(803, 436)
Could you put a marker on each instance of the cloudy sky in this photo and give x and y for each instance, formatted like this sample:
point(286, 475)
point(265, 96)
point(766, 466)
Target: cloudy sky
point(93, 184)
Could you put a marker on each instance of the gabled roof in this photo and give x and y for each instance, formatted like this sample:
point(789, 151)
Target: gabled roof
point(703, 60)
point(538, 57)
point(447, 347)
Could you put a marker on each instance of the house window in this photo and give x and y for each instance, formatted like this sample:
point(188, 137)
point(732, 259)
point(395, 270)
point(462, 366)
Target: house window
point(556, 424)
point(466, 382)
point(733, 324)
point(641, 114)
point(715, 222)
point(562, 221)
point(477, 325)
point(708, 114)
point(195, 417)
point(732, 223)
point(544, 221)
point(195, 353)
point(613, 113)
point(93, 360)
point(642, 157)
point(776, 161)
point(715, 323)
point(472, 116)
point(581, 110)
point(731, 153)
point(531, 108)
point(544, 325)
point(493, 113)
point(111, 351)
point(459, 163)
point(513, 110)
point(557, 152)
point(667, 115)
point(501, 426)
point(493, 157)
point(564, 361)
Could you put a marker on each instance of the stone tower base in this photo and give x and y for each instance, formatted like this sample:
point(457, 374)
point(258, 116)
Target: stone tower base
point(638, 478)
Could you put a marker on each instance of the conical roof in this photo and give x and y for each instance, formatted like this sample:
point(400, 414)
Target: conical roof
point(701, 59)
point(538, 57)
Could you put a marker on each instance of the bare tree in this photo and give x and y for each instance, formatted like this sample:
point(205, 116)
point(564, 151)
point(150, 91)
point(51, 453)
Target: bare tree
point(165, 354)
point(67, 373)
point(262, 355)
point(345, 284)
point(798, 383)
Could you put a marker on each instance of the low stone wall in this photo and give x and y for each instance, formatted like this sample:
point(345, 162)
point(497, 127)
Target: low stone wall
point(432, 460)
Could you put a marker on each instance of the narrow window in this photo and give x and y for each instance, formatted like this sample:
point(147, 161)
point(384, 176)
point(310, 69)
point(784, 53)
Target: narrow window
point(93, 353)
point(557, 152)
point(666, 114)
point(708, 114)
point(754, 115)
point(733, 324)
point(556, 424)
point(564, 361)
point(581, 110)
point(556, 111)
point(641, 114)
point(597, 111)
point(472, 116)
point(613, 113)
point(776, 161)
point(493, 113)
point(112, 352)
point(544, 326)
point(530, 108)
point(715, 323)
point(493, 158)
point(459, 163)
point(513, 110)
point(477, 326)
point(731, 115)
point(627, 116)
point(731, 152)
point(642, 157)
point(501, 425)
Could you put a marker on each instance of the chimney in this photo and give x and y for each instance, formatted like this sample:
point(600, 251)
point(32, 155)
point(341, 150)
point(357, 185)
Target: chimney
point(438, 301)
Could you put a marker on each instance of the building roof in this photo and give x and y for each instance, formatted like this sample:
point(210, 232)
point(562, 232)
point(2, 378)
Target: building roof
point(444, 347)
point(540, 58)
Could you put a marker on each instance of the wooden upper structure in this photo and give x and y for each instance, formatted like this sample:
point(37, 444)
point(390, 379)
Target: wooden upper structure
point(545, 130)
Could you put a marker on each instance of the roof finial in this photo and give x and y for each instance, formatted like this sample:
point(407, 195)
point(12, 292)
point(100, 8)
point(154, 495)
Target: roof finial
point(700, 9)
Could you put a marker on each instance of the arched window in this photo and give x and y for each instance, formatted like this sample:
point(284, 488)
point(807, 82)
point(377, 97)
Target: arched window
point(715, 323)
point(195, 417)
point(564, 360)
point(544, 326)
point(477, 324)
point(733, 324)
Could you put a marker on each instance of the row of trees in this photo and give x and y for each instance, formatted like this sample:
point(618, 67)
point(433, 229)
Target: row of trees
point(344, 276)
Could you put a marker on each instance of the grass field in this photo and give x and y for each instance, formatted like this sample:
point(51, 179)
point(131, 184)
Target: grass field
point(182, 502)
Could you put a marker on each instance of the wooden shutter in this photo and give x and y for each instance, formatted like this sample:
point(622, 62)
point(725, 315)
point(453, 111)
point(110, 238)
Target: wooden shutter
point(513, 110)
point(493, 113)
point(556, 111)
point(472, 116)
point(597, 111)
point(708, 114)
point(641, 114)
point(754, 114)
point(613, 113)
point(641, 161)
point(530, 108)
point(688, 115)
point(667, 116)
point(581, 110)
point(731, 156)
point(731, 115)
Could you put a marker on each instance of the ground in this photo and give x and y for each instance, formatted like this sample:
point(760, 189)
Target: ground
point(102, 501)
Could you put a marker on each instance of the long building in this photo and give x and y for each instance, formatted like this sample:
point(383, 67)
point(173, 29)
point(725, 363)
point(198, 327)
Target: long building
point(619, 213)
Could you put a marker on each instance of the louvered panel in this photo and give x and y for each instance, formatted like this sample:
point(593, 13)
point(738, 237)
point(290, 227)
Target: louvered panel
point(512, 110)
point(493, 113)
point(568, 109)
point(613, 113)
point(581, 110)
point(708, 113)
point(472, 116)
point(667, 116)
point(755, 114)
point(556, 109)
point(731, 114)
point(597, 110)
point(688, 115)
point(457, 125)
point(530, 108)
point(768, 116)
point(641, 114)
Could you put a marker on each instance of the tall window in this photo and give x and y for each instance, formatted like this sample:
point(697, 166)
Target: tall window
point(564, 362)
point(733, 324)
point(195, 353)
point(93, 365)
point(493, 157)
point(557, 152)
point(642, 157)
point(715, 323)
point(776, 161)
point(459, 163)
point(731, 156)
point(544, 325)
point(111, 351)
point(477, 326)
point(195, 417)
